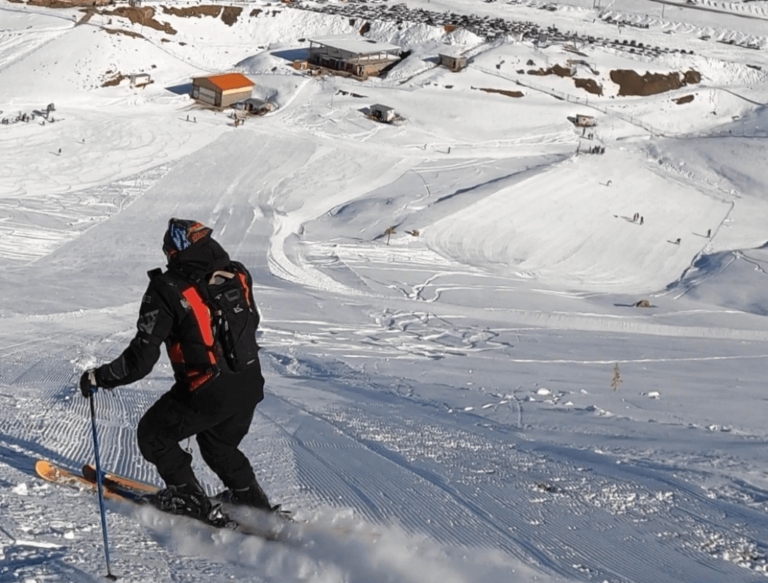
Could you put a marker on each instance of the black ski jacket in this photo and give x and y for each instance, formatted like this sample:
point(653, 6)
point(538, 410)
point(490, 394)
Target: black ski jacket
point(166, 317)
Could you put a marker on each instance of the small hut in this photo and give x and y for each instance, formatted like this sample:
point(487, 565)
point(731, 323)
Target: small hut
point(140, 79)
point(382, 113)
point(254, 106)
point(585, 121)
point(453, 61)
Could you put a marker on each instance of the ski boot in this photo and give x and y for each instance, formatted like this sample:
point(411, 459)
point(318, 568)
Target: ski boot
point(253, 497)
point(190, 500)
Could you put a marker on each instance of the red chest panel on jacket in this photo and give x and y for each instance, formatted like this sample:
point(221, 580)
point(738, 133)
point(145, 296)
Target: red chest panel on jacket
point(185, 353)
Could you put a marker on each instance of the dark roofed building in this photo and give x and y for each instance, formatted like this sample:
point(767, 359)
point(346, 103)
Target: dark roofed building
point(356, 55)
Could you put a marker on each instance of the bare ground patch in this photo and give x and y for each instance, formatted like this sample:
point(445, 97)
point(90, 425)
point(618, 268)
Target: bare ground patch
point(193, 11)
point(632, 83)
point(588, 85)
point(121, 31)
point(558, 70)
point(684, 99)
point(502, 92)
point(229, 14)
point(67, 4)
point(143, 16)
point(114, 79)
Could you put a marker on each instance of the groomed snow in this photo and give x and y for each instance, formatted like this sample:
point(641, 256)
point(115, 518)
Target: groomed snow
point(459, 385)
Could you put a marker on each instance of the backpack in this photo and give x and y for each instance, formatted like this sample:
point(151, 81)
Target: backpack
point(234, 315)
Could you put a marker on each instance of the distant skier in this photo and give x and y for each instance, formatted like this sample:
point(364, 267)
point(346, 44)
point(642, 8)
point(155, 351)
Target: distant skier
point(208, 399)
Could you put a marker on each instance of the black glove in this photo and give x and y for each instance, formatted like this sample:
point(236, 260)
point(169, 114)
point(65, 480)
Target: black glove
point(88, 383)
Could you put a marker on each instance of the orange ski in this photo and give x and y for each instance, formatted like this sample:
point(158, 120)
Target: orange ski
point(58, 475)
point(119, 482)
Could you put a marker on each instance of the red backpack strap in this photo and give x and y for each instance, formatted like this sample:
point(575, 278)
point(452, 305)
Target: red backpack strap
point(202, 315)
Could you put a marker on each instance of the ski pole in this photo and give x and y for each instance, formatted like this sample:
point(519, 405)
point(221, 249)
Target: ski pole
point(99, 480)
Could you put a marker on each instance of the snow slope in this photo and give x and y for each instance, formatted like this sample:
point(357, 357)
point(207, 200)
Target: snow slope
point(459, 388)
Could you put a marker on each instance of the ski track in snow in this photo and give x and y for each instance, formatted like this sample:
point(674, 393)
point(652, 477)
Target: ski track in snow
point(477, 488)
point(26, 239)
point(473, 484)
point(442, 395)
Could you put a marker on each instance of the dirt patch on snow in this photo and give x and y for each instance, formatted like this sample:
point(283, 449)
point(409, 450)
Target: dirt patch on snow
point(229, 14)
point(588, 85)
point(503, 92)
point(692, 77)
point(193, 11)
point(114, 80)
point(632, 83)
point(143, 16)
point(120, 31)
point(684, 99)
point(554, 70)
point(68, 3)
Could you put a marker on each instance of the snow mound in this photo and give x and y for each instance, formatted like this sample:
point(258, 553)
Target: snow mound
point(731, 279)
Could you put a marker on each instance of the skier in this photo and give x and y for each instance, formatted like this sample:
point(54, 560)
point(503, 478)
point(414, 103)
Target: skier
point(208, 399)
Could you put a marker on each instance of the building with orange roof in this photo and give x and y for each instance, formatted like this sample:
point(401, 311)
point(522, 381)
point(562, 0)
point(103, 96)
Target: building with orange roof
point(221, 90)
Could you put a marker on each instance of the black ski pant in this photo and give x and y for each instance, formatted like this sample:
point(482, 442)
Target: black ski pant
point(219, 414)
